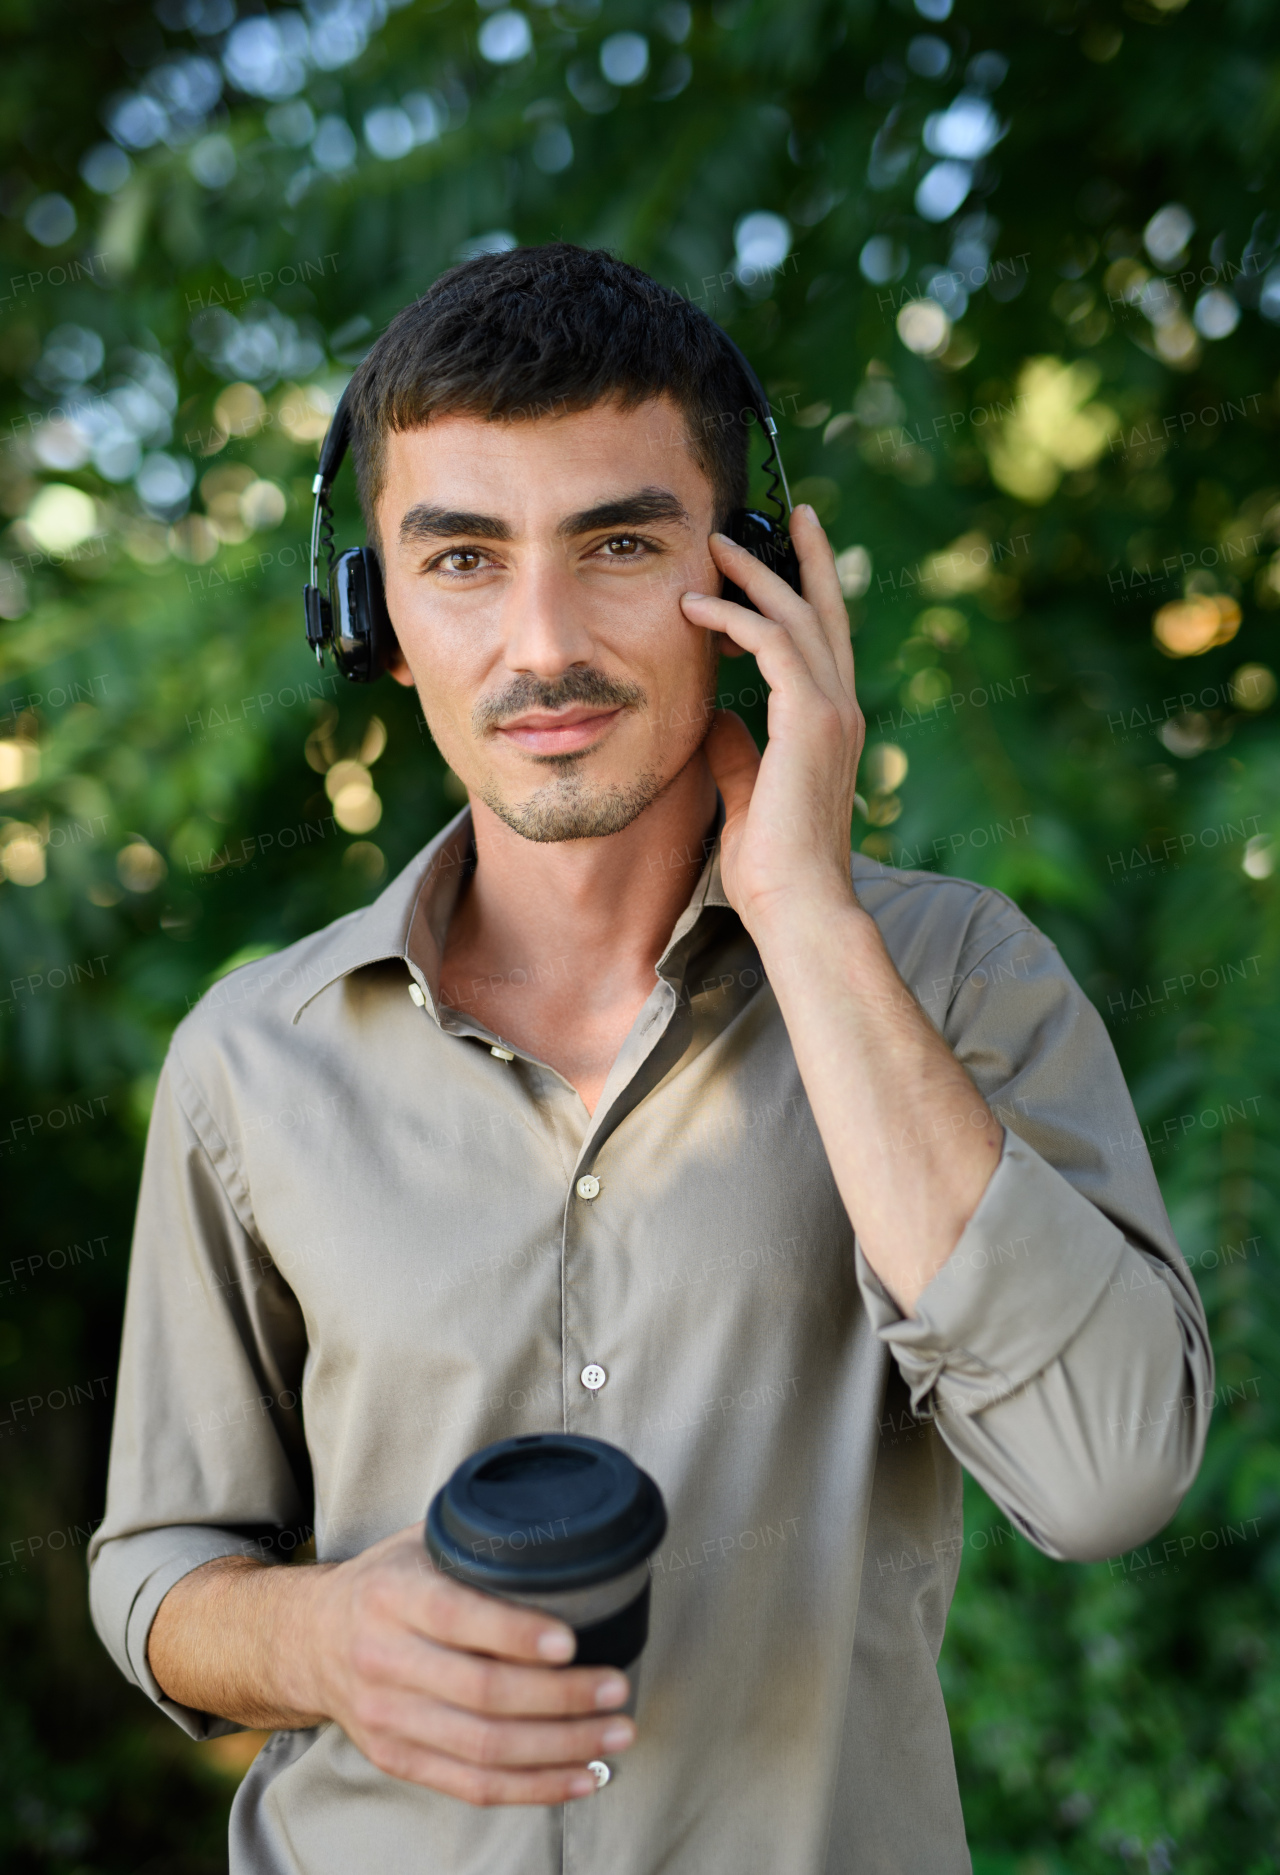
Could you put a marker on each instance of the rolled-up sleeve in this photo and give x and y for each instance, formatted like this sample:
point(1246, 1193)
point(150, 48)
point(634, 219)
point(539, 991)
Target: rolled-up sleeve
point(207, 1453)
point(1062, 1349)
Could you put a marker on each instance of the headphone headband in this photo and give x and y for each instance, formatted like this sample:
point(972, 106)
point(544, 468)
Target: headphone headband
point(336, 439)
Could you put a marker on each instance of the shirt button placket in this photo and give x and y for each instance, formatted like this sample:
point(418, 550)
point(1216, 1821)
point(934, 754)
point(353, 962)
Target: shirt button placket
point(593, 1375)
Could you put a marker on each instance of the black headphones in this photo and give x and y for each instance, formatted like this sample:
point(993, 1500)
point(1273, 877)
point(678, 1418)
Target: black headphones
point(351, 619)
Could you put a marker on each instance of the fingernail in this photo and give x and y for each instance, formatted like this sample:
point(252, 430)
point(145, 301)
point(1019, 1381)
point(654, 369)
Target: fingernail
point(611, 1692)
point(804, 508)
point(695, 595)
point(555, 1644)
point(582, 1784)
point(618, 1735)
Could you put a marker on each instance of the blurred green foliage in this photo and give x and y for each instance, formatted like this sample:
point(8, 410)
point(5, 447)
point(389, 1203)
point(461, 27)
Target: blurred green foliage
point(1048, 419)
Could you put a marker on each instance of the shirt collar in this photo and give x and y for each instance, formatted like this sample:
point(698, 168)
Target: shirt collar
point(409, 918)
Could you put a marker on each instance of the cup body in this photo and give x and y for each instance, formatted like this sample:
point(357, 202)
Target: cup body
point(559, 1523)
point(611, 1619)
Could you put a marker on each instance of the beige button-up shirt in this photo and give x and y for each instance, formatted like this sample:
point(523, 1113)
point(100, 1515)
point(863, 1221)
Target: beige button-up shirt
point(363, 1251)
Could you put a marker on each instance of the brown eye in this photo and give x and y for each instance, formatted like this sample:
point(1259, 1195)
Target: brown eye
point(623, 546)
point(462, 560)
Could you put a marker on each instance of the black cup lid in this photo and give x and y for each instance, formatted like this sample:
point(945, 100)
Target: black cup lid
point(543, 1512)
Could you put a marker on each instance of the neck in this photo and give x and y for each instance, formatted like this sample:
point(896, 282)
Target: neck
point(604, 908)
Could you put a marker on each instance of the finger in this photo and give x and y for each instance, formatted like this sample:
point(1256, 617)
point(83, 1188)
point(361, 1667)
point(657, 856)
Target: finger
point(820, 582)
point(734, 761)
point(782, 661)
point(773, 597)
point(495, 1686)
point(510, 1743)
point(463, 1617)
point(483, 1785)
point(396, 1662)
point(814, 636)
point(817, 616)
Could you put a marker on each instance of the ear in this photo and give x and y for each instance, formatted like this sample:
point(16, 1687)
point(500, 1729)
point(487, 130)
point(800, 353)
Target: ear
point(397, 667)
point(723, 645)
point(726, 648)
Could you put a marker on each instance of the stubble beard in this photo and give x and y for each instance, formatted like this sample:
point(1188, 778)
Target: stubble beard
point(569, 806)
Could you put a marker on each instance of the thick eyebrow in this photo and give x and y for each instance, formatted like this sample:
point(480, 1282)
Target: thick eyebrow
point(426, 523)
point(645, 504)
point(633, 510)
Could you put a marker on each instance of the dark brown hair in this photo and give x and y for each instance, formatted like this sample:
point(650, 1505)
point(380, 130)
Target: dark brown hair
point(542, 331)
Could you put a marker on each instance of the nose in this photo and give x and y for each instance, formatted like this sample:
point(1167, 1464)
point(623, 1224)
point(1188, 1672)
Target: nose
point(545, 618)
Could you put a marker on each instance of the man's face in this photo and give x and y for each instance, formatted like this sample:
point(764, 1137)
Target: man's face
point(533, 573)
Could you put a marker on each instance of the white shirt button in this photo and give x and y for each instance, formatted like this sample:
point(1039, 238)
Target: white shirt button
point(600, 1771)
point(593, 1376)
point(588, 1186)
point(503, 1054)
point(416, 995)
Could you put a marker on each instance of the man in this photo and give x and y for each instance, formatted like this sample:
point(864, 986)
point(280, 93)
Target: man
point(830, 1170)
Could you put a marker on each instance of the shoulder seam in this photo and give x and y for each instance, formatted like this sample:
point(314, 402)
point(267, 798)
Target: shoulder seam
point(1027, 929)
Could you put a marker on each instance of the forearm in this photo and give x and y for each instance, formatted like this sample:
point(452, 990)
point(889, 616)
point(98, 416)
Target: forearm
point(911, 1142)
point(234, 1638)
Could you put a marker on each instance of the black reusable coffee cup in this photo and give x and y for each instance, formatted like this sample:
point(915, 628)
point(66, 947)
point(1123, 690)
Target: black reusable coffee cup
point(560, 1523)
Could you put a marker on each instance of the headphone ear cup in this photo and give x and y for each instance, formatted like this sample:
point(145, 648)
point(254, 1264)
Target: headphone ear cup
point(364, 641)
point(769, 543)
point(383, 643)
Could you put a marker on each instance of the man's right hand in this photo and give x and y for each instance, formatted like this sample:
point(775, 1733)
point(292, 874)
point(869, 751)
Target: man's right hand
point(433, 1682)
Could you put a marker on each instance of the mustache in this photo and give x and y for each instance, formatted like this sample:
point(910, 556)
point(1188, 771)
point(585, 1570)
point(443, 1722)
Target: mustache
point(581, 684)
